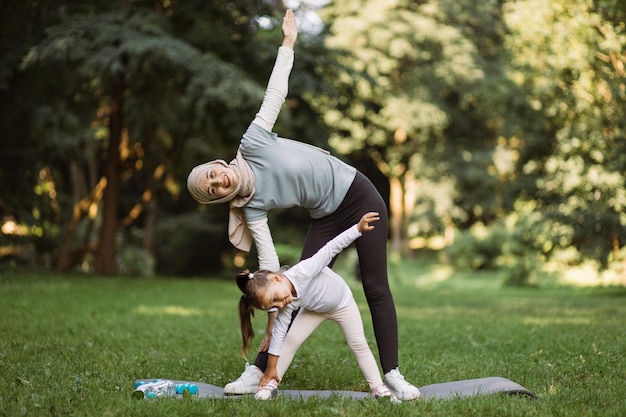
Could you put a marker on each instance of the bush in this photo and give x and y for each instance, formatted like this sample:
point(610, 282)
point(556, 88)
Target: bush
point(519, 245)
point(193, 244)
point(136, 261)
point(477, 248)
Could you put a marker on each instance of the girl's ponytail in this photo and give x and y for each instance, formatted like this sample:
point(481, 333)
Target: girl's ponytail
point(251, 285)
point(246, 311)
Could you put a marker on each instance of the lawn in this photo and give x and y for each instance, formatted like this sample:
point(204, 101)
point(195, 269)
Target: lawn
point(74, 345)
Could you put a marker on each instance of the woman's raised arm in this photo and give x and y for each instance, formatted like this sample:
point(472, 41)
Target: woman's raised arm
point(278, 84)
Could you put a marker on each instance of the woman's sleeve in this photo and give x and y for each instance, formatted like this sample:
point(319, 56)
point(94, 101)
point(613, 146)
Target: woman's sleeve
point(268, 258)
point(277, 88)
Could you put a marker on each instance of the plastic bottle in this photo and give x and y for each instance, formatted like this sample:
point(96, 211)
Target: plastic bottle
point(180, 388)
point(190, 388)
point(154, 389)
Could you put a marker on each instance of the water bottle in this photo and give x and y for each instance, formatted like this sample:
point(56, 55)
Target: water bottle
point(154, 389)
point(190, 388)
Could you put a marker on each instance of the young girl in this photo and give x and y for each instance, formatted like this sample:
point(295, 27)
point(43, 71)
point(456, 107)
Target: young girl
point(319, 294)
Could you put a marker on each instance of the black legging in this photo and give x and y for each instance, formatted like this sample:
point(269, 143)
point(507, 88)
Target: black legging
point(362, 197)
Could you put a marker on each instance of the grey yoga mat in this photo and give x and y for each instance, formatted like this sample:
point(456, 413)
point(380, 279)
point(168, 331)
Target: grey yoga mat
point(445, 390)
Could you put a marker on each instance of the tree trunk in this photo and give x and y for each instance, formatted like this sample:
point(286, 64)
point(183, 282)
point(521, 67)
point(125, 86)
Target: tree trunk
point(79, 185)
point(150, 226)
point(105, 262)
point(71, 252)
point(409, 188)
point(396, 214)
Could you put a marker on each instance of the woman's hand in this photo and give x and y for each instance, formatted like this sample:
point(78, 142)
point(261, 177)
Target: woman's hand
point(265, 343)
point(290, 29)
point(364, 224)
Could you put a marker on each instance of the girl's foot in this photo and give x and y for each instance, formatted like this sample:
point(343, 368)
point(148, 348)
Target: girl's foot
point(267, 391)
point(382, 392)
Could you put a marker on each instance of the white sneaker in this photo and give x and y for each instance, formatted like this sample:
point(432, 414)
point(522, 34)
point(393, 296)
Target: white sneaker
point(383, 392)
point(267, 391)
point(403, 390)
point(247, 383)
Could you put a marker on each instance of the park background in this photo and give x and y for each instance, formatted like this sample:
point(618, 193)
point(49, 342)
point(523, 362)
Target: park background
point(493, 129)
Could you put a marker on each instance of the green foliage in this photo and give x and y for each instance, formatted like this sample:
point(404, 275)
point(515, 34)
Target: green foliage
point(136, 261)
point(76, 344)
point(568, 64)
point(194, 244)
point(175, 93)
point(139, 44)
point(477, 248)
point(480, 107)
point(394, 78)
point(288, 254)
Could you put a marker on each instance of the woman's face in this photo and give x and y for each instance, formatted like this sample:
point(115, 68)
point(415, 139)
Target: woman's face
point(219, 181)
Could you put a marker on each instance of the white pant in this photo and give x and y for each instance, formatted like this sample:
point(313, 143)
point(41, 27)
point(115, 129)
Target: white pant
point(350, 322)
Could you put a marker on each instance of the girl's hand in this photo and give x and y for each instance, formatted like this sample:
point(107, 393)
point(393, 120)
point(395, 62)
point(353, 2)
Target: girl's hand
point(290, 29)
point(364, 224)
point(268, 376)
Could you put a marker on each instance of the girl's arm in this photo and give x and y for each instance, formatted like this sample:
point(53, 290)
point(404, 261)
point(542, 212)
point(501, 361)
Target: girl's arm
point(277, 87)
point(281, 325)
point(270, 372)
point(312, 266)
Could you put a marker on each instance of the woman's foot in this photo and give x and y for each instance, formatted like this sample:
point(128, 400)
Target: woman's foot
point(267, 391)
point(399, 386)
point(247, 383)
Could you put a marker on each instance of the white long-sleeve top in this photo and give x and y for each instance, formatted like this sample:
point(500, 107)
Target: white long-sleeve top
point(318, 288)
point(276, 90)
point(287, 173)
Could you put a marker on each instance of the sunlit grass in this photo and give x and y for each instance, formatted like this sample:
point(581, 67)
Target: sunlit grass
point(169, 310)
point(75, 345)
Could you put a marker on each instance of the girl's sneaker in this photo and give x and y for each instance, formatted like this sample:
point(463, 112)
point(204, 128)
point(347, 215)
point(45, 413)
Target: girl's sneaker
point(267, 391)
point(382, 392)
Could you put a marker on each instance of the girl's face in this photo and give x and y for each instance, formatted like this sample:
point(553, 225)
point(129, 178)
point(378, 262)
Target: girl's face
point(278, 293)
point(219, 181)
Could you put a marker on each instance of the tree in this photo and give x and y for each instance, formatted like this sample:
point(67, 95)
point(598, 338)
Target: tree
point(118, 60)
point(569, 65)
point(404, 72)
point(22, 24)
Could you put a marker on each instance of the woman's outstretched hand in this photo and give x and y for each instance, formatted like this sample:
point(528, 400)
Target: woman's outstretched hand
point(364, 224)
point(290, 29)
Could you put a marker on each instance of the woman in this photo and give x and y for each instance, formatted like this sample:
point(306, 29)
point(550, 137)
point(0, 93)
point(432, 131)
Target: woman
point(271, 172)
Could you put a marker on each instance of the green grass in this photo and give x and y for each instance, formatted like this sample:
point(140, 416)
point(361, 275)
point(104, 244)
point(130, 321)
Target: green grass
point(74, 345)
